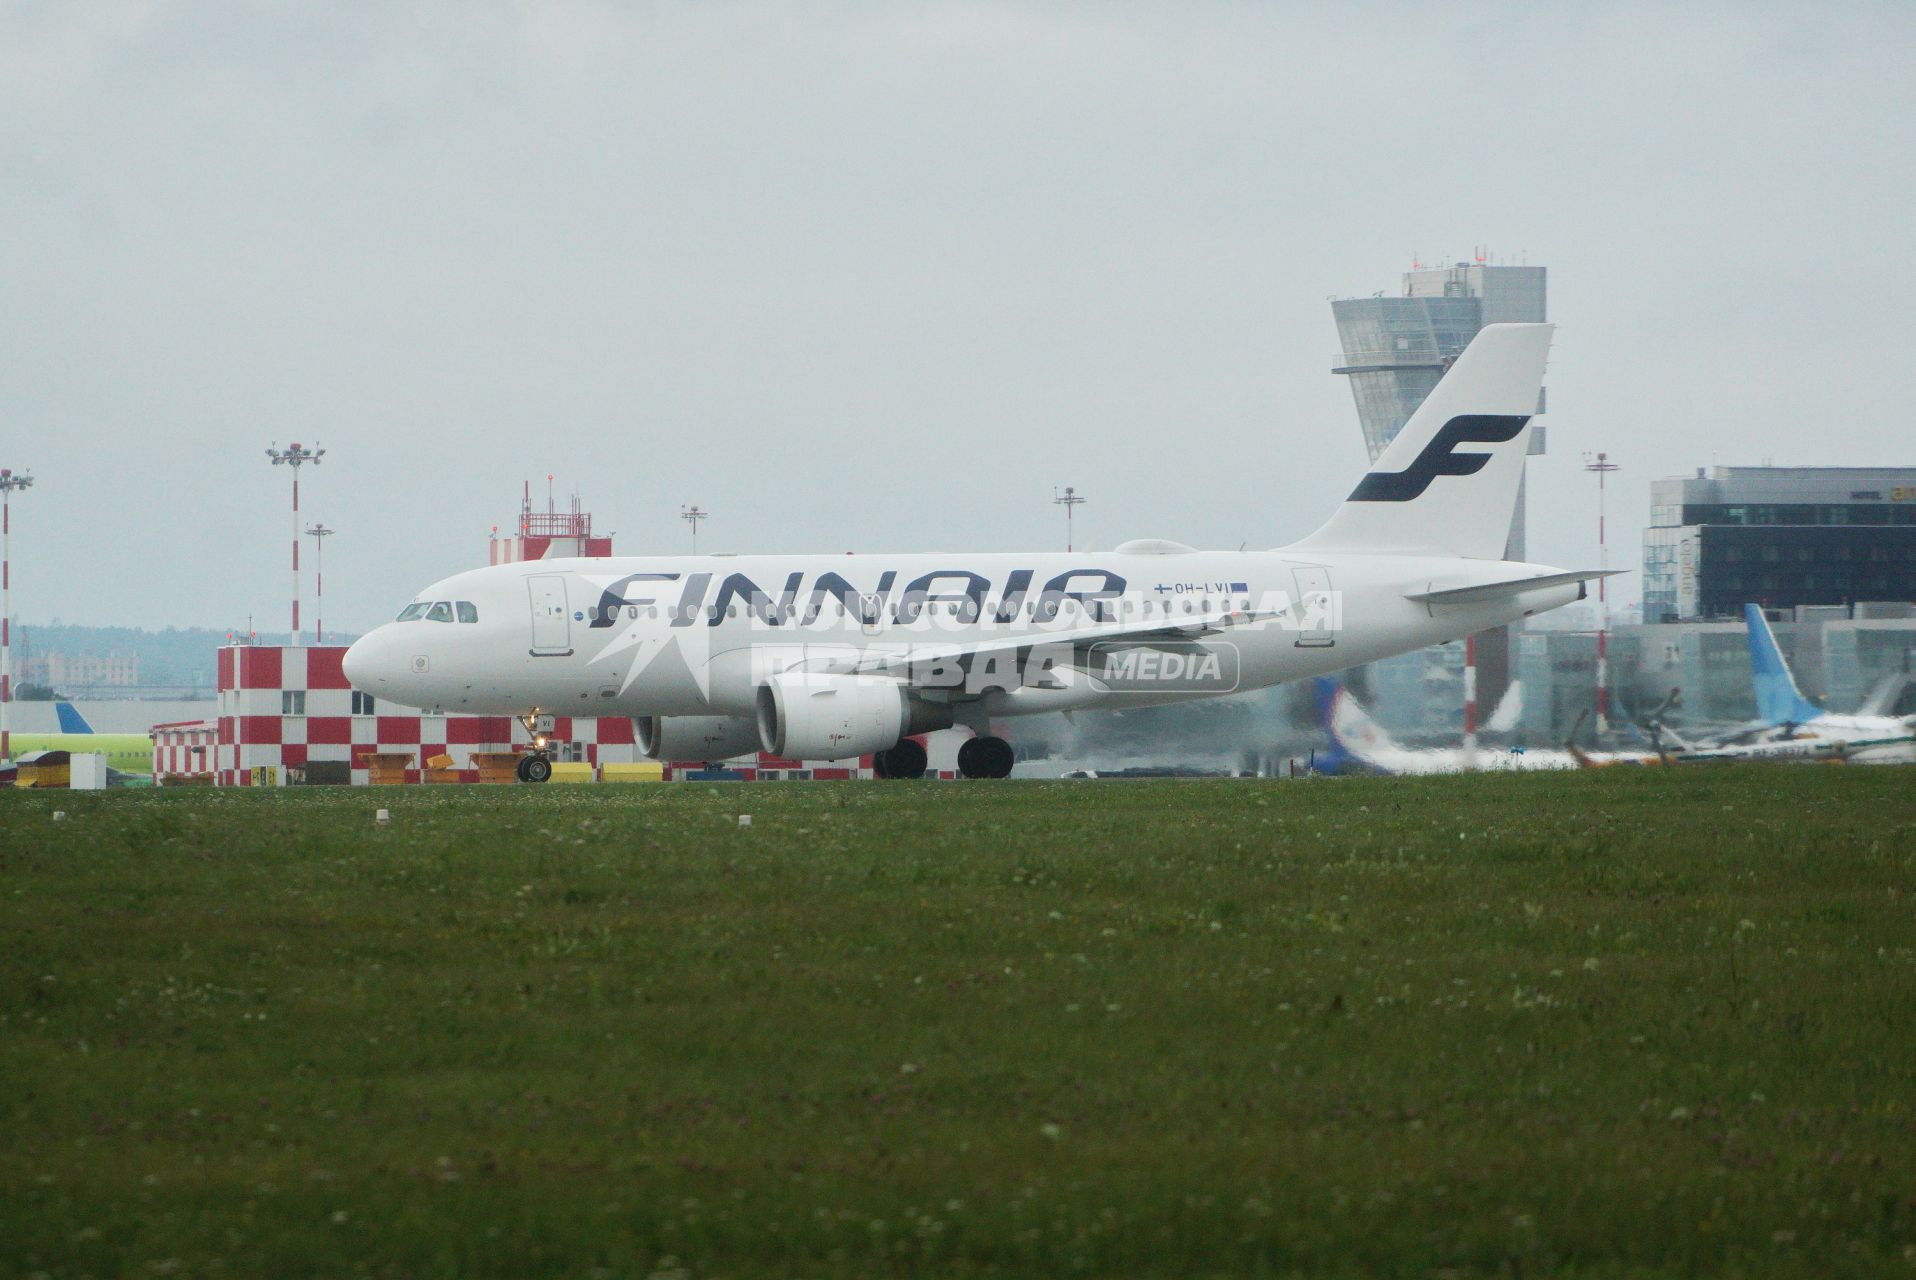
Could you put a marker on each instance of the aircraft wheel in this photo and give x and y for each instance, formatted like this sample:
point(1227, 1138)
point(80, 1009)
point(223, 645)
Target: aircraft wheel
point(985, 758)
point(534, 768)
point(905, 760)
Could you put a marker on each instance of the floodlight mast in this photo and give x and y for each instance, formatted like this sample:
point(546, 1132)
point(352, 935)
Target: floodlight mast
point(319, 533)
point(295, 455)
point(1069, 501)
point(9, 481)
point(692, 515)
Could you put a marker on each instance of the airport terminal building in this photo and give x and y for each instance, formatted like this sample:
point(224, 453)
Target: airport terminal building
point(1828, 552)
point(1781, 537)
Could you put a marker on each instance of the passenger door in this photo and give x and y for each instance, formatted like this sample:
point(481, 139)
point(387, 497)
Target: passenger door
point(1316, 609)
point(551, 624)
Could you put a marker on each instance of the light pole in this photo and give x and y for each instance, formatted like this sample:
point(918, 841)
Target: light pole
point(692, 515)
point(1068, 500)
point(1602, 465)
point(295, 455)
point(319, 533)
point(9, 481)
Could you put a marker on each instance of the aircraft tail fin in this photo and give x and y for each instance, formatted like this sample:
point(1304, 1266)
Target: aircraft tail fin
point(1884, 694)
point(1352, 732)
point(1509, 710)
point(71, 721)
point(1777, 698)
point(1447, 485)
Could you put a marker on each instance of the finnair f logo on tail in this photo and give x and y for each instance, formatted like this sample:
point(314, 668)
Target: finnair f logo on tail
point(1439, 458)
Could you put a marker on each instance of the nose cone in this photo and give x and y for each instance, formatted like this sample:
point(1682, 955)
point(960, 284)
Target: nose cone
point(361, 664)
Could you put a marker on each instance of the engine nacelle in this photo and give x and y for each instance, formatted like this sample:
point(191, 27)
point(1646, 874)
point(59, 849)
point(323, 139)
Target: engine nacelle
point(807, 716)
point(704, 738)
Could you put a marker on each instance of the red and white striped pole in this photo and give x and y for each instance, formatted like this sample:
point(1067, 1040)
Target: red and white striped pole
point(295, 641)
point(1603, 467)
point(8, 483)
point(1470, 701)
point(319, 533)
point(295, 455)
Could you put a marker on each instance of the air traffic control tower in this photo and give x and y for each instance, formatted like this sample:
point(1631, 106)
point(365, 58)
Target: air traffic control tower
point(1397, 346)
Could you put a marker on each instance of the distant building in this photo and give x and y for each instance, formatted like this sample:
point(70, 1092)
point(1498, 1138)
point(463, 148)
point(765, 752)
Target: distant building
point(1842, 658)
point(1396, 347)
point(70, 671)
point(1781, 537)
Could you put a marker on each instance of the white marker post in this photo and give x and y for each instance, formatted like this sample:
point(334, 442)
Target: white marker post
point(9, 481)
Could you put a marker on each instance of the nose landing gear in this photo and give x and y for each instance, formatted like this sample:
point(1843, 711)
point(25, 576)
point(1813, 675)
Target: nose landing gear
point(985, 757)
point(536, 765)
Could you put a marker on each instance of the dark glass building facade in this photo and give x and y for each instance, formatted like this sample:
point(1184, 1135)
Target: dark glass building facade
point(1779, 537)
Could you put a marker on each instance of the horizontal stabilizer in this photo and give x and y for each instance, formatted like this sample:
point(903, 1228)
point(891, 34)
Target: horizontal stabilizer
point(1504, 590)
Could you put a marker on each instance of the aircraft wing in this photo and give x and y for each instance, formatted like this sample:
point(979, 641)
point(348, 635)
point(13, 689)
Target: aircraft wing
point(898, 658)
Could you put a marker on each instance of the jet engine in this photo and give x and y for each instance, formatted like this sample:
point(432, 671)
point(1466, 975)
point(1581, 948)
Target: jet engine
point(696, 737)
point(807, 716)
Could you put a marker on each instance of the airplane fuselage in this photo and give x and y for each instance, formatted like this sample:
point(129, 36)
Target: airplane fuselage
point(1860, 739)
point(695, 635)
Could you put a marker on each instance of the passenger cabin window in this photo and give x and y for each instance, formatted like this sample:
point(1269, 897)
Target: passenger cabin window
point(441, 611)
point(468, 611)
point(413, 612)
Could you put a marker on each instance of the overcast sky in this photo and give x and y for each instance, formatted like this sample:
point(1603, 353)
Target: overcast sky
point(878, 277)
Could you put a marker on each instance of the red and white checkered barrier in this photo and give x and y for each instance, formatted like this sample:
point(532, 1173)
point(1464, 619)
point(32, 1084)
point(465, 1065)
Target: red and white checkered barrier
point(282, 709)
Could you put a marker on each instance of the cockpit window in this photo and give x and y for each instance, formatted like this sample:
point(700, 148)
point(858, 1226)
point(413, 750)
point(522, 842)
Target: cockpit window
point(413, 612)
point(441, 611)
point(468, 611)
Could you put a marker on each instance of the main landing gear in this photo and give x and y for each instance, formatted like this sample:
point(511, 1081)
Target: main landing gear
point(536, 765)
point(906, 760)
point(985, 758)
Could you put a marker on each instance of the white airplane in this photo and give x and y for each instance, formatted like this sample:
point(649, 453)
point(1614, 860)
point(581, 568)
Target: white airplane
point(1786, 716)
point(1357, 738)
point(839, 656)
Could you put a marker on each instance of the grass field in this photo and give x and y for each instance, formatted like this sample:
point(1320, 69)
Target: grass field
point(1656, 1022)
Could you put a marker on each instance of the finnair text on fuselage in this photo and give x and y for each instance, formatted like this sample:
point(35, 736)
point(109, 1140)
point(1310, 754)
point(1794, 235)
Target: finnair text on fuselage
point(963, 596)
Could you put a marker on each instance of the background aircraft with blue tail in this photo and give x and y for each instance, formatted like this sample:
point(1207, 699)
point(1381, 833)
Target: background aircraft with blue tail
point(124, 752)
point(1784, 715)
